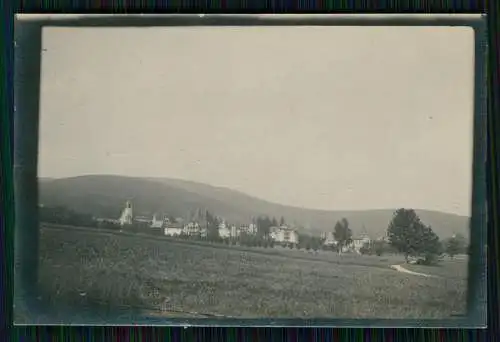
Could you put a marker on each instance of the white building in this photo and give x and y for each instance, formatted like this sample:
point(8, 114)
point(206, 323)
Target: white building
point(224, 231)
point(235, 231)
point(157, 223)
point(192, 228)
point(329, 239)
point(173, 229)
point(284, 234)
point(142, 219)
point(273, 232)
point(250, 229)
point(203, 231)
point(358, 242)
point(127, 215)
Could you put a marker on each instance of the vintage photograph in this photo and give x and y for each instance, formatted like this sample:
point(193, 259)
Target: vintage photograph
point(256, 172)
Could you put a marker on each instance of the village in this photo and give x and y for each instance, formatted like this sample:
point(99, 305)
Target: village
point(280, 234)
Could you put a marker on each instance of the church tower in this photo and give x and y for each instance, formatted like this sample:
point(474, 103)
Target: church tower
point(126, 217)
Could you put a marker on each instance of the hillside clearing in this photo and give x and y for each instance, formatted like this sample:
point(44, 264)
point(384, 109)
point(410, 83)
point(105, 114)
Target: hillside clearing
point(181, 279)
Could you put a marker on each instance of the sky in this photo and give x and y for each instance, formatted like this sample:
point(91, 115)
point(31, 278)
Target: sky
point(336, 118)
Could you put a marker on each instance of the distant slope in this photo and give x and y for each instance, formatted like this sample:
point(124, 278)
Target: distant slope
point(105, 195)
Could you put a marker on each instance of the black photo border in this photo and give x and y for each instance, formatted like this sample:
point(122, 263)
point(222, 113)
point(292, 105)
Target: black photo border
point(27, 88)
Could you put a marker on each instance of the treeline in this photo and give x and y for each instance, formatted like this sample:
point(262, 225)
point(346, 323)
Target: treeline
point(64, 216)
point(406, 234)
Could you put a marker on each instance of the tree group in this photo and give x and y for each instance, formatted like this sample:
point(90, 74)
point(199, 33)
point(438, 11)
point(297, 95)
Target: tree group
point(409, 236)
point(455, 245)
point(342, 234)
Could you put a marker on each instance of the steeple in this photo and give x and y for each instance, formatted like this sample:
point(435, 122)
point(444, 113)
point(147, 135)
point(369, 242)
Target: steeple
point(126, 217)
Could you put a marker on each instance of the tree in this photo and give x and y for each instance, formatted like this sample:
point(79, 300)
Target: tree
point(367, 248)
point(264, 224)
point(315, 243)
point(274, 222)
point(379, 247)
point(66, 216)
point(403, 231)
point(455, 245)
point(342, 233)
point(282, 221)
point(408, 235)
point(212, 226)
point(429, 246)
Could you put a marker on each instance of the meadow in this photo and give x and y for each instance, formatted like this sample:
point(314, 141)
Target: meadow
point(163, 277)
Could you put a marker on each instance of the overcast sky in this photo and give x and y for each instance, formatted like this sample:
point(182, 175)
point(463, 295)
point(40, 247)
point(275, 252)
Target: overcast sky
point(319, 117)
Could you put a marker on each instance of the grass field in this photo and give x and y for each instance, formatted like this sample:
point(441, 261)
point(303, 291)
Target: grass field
point(164, 277)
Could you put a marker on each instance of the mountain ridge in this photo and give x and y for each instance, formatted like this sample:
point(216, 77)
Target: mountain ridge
point(105, 195)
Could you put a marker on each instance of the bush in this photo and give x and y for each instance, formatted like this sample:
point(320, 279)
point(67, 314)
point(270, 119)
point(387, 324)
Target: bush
point(365, 250)
point(429, 259)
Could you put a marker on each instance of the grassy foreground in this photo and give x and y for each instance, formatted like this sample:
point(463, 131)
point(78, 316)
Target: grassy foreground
point(165, 277)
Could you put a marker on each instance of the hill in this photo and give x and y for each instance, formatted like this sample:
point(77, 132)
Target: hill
point(105, 195)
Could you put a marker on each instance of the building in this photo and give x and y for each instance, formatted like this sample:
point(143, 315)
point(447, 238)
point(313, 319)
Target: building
point(127, 214)
point(358, 242)
point(224, 230)
point(192, 228)
point(250, 229)
point(173, 229)
point(235, 231)
point(329, 239)
point(166, 219)
point(142, 219)
point(157, 223)
point(284, 235)
point(273, 232)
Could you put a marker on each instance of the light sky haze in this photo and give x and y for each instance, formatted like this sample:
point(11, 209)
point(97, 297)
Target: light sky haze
point(337, 118)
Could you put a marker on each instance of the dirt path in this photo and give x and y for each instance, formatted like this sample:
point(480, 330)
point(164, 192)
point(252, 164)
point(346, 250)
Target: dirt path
point(400, 268)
